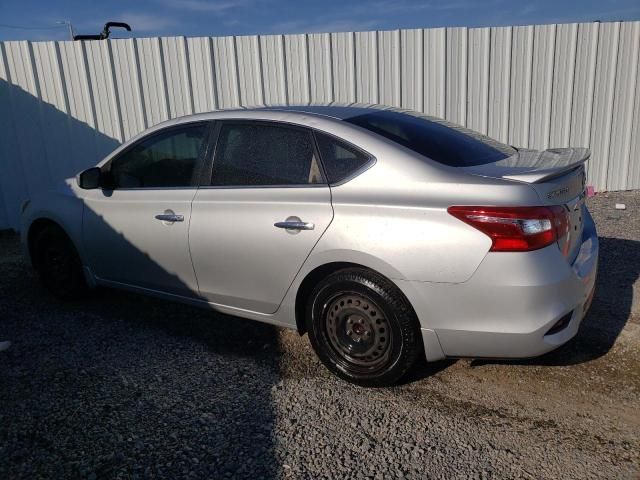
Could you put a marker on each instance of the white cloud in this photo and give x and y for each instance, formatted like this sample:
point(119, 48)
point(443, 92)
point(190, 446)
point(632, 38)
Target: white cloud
point(146, 22)
point(343, 26)
point(208, 6)
point(404, 6)
point(328, 25)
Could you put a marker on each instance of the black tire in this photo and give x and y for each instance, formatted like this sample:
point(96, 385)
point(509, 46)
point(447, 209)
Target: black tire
point(58, 264)
point(386, 342)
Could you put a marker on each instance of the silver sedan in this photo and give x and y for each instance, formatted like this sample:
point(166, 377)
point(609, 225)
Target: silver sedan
point(385, 234)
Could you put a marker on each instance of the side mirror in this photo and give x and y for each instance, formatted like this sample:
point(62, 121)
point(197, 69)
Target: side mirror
point(90, 178)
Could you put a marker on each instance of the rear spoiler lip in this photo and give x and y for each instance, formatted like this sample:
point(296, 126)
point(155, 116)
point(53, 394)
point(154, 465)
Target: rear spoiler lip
point(537, 175)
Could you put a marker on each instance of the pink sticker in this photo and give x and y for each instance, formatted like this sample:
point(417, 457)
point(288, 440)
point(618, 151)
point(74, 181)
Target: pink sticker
point(591, 192)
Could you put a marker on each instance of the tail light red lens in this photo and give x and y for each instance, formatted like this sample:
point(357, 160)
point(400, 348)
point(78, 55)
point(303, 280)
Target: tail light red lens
point(516, 229)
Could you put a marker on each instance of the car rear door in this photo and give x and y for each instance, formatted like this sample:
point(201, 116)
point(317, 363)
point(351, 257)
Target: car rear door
point(136, 228)
point(264, 209)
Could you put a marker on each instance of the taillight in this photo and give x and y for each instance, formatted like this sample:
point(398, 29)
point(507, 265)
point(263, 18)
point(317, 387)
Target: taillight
point(516, 229)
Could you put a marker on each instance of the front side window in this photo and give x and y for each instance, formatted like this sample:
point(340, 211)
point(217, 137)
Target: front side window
point(264, 155)
point(168, 159)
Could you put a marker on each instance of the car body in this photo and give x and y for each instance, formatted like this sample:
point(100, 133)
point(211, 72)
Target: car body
point(390, 210)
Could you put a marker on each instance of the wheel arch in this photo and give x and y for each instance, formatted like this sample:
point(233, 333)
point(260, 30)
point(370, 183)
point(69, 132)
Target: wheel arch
point(316, 275)
point(37, 226)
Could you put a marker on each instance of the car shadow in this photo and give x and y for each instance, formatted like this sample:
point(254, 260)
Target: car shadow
point(130, 381)
point(217, 332)
point(423, 370)
point(612, 307)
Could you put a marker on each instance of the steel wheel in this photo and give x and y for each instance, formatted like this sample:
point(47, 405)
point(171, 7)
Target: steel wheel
point(358, 332)
point(362, 327)
point(58, 264)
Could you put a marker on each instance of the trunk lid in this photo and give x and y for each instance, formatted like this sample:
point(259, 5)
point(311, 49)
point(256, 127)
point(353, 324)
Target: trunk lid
point(558, 177)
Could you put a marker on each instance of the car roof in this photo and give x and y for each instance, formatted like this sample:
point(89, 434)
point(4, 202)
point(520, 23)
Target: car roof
point(326, 115)
point(330, 111)
point(339, 111)
point(334, 110)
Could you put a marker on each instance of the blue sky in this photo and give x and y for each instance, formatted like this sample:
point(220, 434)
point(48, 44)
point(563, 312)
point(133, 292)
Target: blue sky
point(240, 17)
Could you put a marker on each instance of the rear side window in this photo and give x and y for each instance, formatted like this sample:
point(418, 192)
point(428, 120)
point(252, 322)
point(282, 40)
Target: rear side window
point(339, 159)
point(440, 141)
point(168, 159)
point(267, 155)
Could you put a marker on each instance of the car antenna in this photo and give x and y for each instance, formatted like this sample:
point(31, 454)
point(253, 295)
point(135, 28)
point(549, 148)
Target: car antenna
point(105, 31)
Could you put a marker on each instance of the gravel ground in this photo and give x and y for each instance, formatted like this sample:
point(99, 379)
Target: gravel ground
point(126, 387)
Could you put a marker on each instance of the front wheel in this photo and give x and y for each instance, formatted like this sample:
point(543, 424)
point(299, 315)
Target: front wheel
point(363, 328)
point(58, 264)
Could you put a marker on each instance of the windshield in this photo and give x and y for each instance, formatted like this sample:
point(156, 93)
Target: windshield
point(441, 141)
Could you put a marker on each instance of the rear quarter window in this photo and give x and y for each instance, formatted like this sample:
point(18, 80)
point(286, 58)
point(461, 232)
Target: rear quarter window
point(440, 141)
point(339, 159)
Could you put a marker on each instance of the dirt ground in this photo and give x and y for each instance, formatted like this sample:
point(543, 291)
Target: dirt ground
point(126, 387)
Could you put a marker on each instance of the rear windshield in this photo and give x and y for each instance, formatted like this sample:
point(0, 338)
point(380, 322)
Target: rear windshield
point(436, 139)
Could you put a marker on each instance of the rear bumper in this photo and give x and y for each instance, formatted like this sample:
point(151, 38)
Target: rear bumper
point(507, 308)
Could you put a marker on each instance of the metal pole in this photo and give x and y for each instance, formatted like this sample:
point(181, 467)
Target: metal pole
point(68, 24)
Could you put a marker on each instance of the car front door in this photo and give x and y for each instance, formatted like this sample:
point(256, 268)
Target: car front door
point(265, 208)
point(136, 227)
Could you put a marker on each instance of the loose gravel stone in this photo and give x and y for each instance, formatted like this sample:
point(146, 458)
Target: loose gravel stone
point(121, 386)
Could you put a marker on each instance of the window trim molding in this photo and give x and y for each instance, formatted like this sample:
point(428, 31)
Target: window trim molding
point(257, 187)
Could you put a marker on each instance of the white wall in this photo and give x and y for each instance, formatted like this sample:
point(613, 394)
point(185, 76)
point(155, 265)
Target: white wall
point(64, 105)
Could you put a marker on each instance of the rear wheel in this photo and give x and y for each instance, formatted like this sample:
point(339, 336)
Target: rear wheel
point(58, 264)
point(362, 328)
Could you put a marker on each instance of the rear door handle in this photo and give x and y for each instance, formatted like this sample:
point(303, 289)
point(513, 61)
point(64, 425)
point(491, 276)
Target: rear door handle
point(295, 225)
point(170, 217)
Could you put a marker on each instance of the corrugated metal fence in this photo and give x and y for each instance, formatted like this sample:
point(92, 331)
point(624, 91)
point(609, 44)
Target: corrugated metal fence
point(64, 105)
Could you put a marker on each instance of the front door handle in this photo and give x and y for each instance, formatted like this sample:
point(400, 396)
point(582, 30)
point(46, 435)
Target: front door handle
point(170, 217)
point(295, 225)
